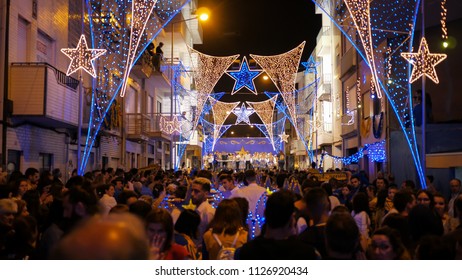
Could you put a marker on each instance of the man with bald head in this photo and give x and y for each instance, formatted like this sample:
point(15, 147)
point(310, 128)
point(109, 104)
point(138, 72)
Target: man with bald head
point(114, 237)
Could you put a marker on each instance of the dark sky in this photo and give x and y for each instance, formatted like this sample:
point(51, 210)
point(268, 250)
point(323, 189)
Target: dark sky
point(263, 27)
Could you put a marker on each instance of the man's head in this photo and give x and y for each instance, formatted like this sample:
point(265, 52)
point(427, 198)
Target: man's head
point(8, 208)
point(279, 211)
point(161, 44)
point(100, 238)
point(403, 200)
point(250, 176)
point(455, 186)
point(32, 175)
point(317, 202)
point(118, 183)
point(381, 184)
point(200, 190)
point(355, 182)
point(227, 182)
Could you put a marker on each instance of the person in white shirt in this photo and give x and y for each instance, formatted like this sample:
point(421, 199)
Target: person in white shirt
point(200, 190)
point(231, 190)
point(253, 191)
point(107, 201)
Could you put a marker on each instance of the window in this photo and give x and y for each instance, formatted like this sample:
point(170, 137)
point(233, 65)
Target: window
point(150, 149)
point(150, 106)
point(23, 40)
point(46, 162)
point(45, 47)
point(159, 107)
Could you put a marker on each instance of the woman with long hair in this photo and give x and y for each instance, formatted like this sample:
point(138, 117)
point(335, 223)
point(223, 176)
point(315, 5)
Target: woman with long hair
point(225, 230)
point(386, 245)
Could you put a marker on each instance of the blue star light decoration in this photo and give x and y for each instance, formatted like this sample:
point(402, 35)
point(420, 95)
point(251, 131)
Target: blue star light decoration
point(244, 77)
point(82, 57)
point(311, 65)
point(243, 114)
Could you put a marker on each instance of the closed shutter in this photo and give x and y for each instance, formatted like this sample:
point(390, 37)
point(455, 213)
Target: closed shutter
point(45, 48)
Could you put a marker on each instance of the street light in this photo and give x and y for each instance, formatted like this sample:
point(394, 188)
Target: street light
point(202, 14)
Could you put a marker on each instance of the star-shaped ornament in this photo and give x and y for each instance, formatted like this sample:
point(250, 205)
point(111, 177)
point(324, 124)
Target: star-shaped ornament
point(170, 127)
point(243, 114)
point(242, 152)
point(284, 137)
point(82, 57)
point(310, 66)
point(244, 77)
point(424, 62)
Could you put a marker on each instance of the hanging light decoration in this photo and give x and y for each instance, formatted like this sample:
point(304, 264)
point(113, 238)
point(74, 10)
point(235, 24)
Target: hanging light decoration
point(244, 77)
point(264, 110)
point(82, 57)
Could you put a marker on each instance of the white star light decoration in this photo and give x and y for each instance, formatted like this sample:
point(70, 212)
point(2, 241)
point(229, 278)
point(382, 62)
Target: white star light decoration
point(284, 137)
point(243, 114)
point(244, 77)
point(82, 57)
point(170, 127)
point(311, 65)
point(424, 62)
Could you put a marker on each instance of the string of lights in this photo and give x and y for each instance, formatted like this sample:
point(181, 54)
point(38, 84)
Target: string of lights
point(375, 151)
point(244, 77)
point(264, 110)
point(444, 28)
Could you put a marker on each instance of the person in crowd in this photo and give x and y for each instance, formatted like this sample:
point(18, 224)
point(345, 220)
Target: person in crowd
point(8, 208)
point(78, 204)
point(278, 241)
point(186, 229)
point(94, 240)
point(159, 228)
point(433, 247)
point(318, 207)
point(403, 202)
point(456, 190)
point(231, 190)
point(253, 192)
point(381, 184)
point(343, 237)
point(455, 236)
point(107, 201)
point(425, 197)
point(392, 190)
point(423, 221)
point(225, 230)
point(361, 216)
point(20, 188)
point(200, 190)
point(32, 176)
point(441, 207)
point(23, 243)
point(386, 245)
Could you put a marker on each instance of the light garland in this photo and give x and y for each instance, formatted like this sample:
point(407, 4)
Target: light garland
point(347, 99)
point(375, 151)
point(141, 13)
point(264, 110)
point(244, 77)
point(360, 13)
point(358, 92)
point(243, 114)
point(208, 71)
point(221, 111)
point(424, 62)
point(282, 70)
point(82, 57)
point(444, 28)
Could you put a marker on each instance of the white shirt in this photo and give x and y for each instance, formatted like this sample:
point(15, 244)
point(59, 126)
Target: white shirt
point(107, 202)
point(206, 212)
point(252, 193)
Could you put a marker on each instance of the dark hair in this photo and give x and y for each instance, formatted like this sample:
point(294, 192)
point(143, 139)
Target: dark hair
point(433, 247)
point(30, 172)
point(244, 207)
point(163, 217)
point(423, 221)
point(430, 197)
point(317, 202)
point(395, 240)
point(226, 177)
point(342, 234)
point(279, 209)
point(250, 175)
point(125, 195)
point(361, 203)
point(140, 208)
point(227, 218)
point(401, 199)
point(204, 182)
point(205, 174)
point(188, 222)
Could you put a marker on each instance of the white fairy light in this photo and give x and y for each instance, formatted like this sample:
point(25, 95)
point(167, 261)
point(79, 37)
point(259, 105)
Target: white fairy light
point(82, 57)
point(169, 127)
point(208, 71)
point(282, 70)
point(264, 110)
point(243, 114)
point(284, 137)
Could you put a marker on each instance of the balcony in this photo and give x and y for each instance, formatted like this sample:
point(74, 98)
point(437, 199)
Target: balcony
point(144, 69)
point(136, 125)
point(154, 131)
point(349, 124)
point(297, 147)
point(44, 95)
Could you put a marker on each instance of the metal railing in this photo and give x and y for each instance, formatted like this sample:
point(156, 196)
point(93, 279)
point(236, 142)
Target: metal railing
point(61, 77)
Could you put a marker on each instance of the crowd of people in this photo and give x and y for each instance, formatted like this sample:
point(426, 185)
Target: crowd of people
point(264, 214)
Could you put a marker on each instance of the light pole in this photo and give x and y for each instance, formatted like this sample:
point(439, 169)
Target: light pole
point(202, 15)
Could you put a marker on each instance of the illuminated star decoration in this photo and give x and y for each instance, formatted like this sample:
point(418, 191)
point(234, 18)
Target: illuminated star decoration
point(311, 65)
point(424, 62)
point(244, 77)
point(82, 57)
point(243, 114)
point(284, 137)
point(170, 127)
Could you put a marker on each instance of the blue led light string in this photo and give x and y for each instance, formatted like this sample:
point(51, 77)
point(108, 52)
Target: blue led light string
point(375, 151)
point(110, 31)
point(387, 17)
